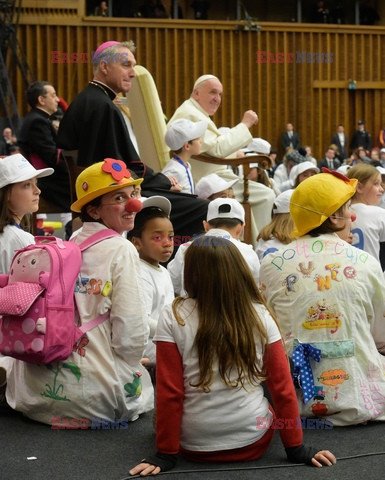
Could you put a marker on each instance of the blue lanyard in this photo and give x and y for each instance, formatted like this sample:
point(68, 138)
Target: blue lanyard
point(16, 225)
point(179, 160)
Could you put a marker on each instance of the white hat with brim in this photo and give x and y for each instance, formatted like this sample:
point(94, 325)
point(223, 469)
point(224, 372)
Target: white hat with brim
point(157, 201)
point(282, 202)
point(182, 131)
point(259, 146)
point(16, 168)
point(225, 208)
point(301, 168)
point(211, 184)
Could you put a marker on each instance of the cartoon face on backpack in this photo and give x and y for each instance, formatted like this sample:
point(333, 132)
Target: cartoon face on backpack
point(28, 266)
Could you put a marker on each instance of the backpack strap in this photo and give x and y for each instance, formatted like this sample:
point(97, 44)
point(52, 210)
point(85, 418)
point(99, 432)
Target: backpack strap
point(88, 242)
point(97, 237)
point(94, 323)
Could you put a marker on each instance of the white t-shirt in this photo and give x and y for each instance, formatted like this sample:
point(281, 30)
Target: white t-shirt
point(13, 238)
point(209, 418)
point(158, 292)
point(369, 228)
point(176, 266)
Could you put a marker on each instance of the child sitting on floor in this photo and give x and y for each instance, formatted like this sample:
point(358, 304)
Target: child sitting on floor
point(214, 348)
point(152, 236)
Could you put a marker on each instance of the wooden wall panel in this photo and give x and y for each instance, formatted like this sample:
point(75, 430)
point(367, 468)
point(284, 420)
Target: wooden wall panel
point(313, 96)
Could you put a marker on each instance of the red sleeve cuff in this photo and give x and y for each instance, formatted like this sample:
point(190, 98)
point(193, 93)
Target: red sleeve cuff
point(169, 397)
point(281, 388)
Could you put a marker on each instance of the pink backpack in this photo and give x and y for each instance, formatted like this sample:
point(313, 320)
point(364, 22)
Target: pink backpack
point(37, 307)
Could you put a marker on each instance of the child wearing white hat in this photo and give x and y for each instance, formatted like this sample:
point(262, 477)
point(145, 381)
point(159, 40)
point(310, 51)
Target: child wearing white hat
point(183, 137)
point(298, 174)
point(225, 220)
point(19, 196)
point(213, 186)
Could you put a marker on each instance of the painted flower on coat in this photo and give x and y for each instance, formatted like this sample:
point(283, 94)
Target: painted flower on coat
point(116, 168)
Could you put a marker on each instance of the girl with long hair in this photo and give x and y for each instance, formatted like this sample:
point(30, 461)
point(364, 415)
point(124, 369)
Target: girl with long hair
point(214, 348)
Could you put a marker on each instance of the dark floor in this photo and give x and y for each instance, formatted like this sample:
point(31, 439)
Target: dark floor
point(29, 450)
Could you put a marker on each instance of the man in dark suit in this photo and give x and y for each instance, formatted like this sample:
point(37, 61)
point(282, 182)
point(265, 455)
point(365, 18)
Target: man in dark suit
point(37, 140)
point(329, 161)
point(341, 140)
point(361, 138)
point(95, 127)
point(290, 138)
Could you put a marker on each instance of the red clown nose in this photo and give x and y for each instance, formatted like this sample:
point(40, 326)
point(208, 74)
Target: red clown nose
point(353, 217)
point(133, 205)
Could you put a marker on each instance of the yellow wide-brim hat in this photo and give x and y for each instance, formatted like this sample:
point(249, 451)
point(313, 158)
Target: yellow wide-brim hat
point(317, 198)
point(100, 178)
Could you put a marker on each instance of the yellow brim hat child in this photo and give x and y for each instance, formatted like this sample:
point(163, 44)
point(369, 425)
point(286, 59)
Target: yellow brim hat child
point(101, 178)
point(317, 198)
